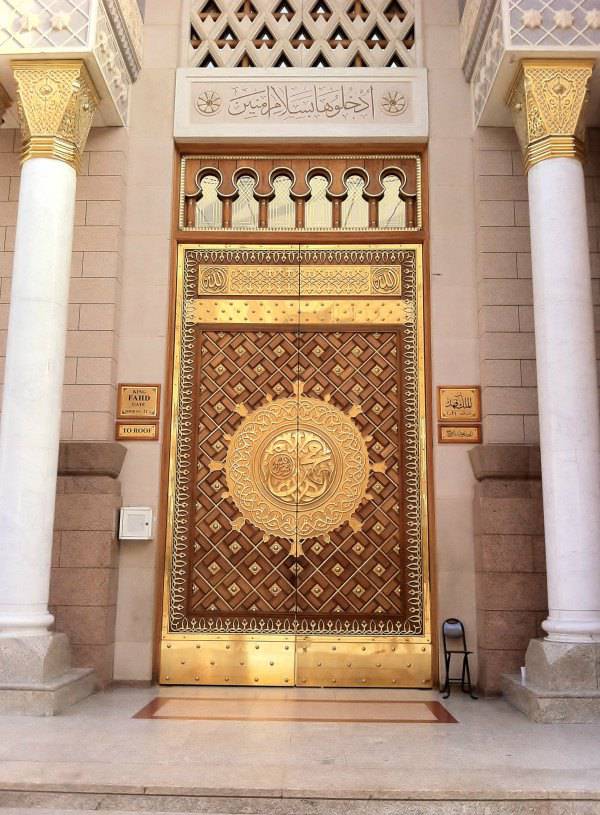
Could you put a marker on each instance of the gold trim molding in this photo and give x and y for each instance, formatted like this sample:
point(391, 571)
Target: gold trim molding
point(302, 312)
point(547, 100)
point(56, 102)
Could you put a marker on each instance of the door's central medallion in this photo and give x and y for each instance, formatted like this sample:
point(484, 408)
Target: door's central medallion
point(297, 468)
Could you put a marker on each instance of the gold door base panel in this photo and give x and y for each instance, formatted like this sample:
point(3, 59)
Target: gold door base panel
point(227, 661)
point(369, 663)
point(385, 662)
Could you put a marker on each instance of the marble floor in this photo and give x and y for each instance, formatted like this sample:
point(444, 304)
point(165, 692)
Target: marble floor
point(491, 751)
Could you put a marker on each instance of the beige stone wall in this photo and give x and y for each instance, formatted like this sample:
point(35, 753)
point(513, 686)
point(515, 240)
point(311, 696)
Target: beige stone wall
point(89, 391)
point(510, 560)
point(142, 354)
point(455, 345)
point(505, 295)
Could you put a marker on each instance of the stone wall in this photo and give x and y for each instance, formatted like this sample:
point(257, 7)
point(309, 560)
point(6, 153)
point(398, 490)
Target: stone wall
point(507, 348)
point(83, 587)
point(144, 324)
point(510, 562)
point(90, 365)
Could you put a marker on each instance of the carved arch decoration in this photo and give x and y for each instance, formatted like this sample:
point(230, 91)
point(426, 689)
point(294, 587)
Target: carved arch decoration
point(388, 197)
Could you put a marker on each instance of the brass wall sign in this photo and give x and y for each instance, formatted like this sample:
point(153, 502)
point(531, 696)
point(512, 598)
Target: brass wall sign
point(138, 402)
point(137, 431)
point(459, 434)
point(459, 403)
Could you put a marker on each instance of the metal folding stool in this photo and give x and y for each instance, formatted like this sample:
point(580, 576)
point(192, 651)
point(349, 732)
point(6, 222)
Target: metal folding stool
point(454, 631)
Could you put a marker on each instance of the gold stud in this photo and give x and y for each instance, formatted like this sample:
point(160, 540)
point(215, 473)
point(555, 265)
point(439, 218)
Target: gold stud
point(168, 645)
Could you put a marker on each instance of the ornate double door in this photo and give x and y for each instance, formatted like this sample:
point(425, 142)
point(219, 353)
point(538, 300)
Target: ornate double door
point(297, 547)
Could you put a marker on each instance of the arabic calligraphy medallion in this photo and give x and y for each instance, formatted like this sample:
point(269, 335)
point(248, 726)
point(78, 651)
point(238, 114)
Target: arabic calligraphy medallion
point(297, 468)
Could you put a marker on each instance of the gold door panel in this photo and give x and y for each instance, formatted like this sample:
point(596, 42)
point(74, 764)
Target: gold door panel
point(297, 538)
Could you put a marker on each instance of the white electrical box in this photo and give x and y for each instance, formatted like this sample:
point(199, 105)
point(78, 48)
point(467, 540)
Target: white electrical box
point(135, 523)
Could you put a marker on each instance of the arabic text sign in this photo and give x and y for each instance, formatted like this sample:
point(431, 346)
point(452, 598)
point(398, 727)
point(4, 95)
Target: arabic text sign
point(459, 404)
point(301, 103)
point(459, 434)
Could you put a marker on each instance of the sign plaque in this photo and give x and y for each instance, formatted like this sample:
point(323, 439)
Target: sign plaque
point(301, 103)
point(137, 431)
point(459, 434)
point(138, 402)
point(459, 403)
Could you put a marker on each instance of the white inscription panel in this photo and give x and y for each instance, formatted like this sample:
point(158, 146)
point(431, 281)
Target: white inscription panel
point(298, 103)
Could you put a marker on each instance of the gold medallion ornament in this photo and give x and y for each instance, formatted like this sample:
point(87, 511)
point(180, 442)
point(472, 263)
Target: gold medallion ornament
point(297, 468)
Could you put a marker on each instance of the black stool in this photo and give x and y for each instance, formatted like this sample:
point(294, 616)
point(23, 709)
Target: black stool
point(454, 631)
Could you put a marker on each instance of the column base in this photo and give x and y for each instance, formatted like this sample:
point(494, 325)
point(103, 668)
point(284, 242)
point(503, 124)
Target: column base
point(36, 677)
point(562, 683)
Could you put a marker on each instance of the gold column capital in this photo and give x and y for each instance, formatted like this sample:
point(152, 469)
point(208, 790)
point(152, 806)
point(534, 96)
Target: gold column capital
point(547, 100)
point(56, 102)
point(5, 103)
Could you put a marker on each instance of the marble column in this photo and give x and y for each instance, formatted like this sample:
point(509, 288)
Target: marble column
point(56, 102)
point(548, 100)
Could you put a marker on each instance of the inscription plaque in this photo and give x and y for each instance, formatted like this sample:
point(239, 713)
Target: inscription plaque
point(137, 431)
point(138, 402)
point(459, 404)
point(299, 102)
point(459, 434)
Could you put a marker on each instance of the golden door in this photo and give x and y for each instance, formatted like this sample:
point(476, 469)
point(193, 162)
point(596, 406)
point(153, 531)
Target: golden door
point(297, 547)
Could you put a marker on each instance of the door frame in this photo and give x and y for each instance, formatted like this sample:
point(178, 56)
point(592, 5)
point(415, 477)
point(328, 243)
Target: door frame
point(419, 237)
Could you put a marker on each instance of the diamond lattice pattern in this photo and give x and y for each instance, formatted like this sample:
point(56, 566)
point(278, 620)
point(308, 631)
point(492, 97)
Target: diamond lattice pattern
point(290, 33)
point(236, 575)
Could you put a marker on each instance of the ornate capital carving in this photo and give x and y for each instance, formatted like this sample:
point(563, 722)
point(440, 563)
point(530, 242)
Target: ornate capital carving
point(5, 103)
point(547, 100)
point(56, 102)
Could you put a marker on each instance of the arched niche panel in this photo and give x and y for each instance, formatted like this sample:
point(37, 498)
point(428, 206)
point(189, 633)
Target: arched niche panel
point(320, 193)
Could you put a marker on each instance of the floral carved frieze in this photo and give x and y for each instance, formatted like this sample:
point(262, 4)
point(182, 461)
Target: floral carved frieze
point(495, 36)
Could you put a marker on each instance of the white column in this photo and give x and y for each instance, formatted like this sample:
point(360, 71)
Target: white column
point(57, 103)
point(31, 407)
point(567, 397)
